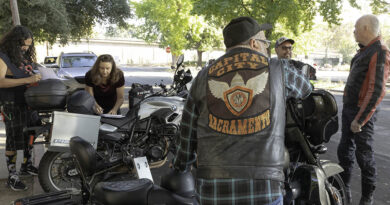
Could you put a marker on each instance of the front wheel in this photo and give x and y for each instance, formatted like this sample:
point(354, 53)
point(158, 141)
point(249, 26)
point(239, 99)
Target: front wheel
point(336, 190)
point(57, 172)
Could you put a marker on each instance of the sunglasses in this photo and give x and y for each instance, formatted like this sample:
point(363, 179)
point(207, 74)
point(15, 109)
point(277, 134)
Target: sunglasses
point(287, 48)
point(267, 43)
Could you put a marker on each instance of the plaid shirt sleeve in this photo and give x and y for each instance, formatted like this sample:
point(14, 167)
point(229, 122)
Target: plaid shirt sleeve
point(297, 84)
point(185, 155)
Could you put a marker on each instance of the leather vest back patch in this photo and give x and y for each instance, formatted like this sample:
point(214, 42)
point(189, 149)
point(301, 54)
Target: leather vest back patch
point(238, 94)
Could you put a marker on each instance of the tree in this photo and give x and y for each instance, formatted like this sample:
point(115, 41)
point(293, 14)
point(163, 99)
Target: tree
point(171, 23)
point(344, 42)
point(202, 37)
point(64, 19)
point(287, 16)
point(380, 6)
point(164, 21)
point(296, 16)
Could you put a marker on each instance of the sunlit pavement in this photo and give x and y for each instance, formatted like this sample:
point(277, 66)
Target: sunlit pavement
point(334, 76)
point(381, 143)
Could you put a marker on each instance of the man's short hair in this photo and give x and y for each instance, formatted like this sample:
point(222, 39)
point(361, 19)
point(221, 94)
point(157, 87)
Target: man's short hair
point(283, 39)
point(373, 23)
point(241, 29)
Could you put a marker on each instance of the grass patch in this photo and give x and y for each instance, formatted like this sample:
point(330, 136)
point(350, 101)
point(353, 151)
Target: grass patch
point(328, 84)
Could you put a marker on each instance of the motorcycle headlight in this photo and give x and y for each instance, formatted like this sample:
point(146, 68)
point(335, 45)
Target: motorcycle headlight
point(173, 108)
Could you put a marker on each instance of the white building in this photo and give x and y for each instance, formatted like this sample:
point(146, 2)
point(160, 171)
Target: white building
point(125, 51)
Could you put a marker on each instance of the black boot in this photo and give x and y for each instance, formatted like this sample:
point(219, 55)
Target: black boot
point(347, 179)
point(348, 196)
point(367, 194)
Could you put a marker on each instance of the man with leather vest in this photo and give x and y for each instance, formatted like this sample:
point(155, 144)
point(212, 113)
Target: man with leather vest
point(363, 92)
point(234, 120)
point(17, 54)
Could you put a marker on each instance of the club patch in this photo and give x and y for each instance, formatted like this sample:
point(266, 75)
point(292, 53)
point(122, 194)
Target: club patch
point(238, 98)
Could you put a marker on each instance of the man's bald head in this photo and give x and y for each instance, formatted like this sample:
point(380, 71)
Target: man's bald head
point(366, 29)
point(372, 23)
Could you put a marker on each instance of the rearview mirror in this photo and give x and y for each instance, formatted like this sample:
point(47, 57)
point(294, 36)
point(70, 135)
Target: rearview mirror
point(180, 60)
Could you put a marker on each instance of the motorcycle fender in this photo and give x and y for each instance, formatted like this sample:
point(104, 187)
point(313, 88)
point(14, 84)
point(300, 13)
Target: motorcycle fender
point(331, 168)
point(312, 179)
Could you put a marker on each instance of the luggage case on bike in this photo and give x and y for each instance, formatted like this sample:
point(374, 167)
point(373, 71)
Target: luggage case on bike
point(47, 95)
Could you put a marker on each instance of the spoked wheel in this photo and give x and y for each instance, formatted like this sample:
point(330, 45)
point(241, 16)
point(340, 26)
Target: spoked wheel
point(336, 190)
point(57, 172)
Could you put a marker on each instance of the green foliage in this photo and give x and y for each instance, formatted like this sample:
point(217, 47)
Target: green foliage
point(380, 6)
point(171, 23)
point(344, 42)
point(201, 36)
point(330, 11)
point(294, 15)
point(166, 21)
point(64, 19)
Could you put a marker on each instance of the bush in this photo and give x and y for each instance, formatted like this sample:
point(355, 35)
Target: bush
point(344, 67)
point(193, 63)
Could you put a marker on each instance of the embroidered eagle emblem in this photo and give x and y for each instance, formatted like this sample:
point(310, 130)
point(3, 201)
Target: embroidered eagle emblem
point(238, 96)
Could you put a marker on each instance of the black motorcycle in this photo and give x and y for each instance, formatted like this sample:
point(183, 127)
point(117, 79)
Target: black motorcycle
point(310, 180)
point(176, 188)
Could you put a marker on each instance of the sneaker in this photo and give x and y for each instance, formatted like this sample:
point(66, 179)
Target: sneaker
point(28, 170)
point(15, 184)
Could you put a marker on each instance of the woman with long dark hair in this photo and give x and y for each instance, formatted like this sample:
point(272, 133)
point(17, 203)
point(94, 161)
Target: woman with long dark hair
point(105, 82)
point(17, 55)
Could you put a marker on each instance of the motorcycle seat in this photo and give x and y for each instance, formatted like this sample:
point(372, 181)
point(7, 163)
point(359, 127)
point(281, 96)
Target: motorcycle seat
point(117, 122)
point(115, 136)
point(123, 192)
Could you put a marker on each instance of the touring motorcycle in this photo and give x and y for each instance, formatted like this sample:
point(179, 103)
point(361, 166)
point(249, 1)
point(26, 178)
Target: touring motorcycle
point(148, 129)
point(309, 180)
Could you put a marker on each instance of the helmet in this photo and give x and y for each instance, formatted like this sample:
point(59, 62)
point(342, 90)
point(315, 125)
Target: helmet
point(320, 116)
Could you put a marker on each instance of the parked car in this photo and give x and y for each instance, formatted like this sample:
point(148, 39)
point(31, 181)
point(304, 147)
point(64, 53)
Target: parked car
point(74, 64)
point(49, 61)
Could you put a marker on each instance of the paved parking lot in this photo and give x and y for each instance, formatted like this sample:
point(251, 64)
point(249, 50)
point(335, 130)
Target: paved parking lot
point(381, 147)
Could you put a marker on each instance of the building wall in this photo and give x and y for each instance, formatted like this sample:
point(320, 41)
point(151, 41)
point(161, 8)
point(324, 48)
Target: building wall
point(124, 51)
point(332, 58)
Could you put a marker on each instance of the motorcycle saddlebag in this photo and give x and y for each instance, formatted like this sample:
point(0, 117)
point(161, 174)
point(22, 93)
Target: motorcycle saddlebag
point(81, 102)
point(47, 95)
point(321, 120)
point(138, 92)
point(52, 198)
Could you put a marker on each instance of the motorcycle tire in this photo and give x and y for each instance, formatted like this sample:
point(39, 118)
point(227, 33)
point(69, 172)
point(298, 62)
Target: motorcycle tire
point(336, 190)
point(57, 172)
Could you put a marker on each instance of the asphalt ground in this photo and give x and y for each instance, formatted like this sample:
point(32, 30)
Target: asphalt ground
point(381, 147)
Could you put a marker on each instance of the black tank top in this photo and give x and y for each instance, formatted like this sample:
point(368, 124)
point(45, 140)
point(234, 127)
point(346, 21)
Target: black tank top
point(14, 94)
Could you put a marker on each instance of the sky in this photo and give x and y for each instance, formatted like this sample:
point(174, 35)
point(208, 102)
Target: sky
point(350, 14)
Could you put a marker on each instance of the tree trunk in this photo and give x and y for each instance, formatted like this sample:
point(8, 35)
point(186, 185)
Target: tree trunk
point(174, 59)
point(47, 48)
point(15, 12)
point(326, 55)
point(267, 36)
point(199, 63)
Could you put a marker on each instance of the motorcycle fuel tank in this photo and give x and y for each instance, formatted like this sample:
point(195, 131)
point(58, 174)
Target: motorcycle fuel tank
point(152, 104)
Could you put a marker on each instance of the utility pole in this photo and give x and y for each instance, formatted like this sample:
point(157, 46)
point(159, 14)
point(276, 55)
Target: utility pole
point(15, 12)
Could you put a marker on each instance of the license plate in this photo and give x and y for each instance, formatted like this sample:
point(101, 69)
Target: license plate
point(142, 168)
